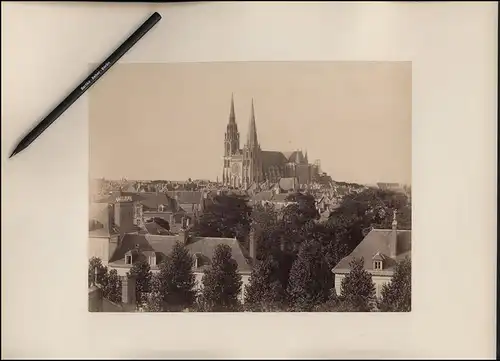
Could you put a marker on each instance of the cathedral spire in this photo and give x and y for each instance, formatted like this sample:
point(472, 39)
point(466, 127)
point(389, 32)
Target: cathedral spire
point(232, 115)
point(252, 130)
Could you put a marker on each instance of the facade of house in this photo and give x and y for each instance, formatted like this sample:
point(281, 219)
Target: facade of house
point(381, 249)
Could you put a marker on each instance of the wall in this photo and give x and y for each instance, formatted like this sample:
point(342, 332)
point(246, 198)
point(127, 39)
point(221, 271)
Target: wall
point(122, 271)
point(379, 281)
point(99, 247)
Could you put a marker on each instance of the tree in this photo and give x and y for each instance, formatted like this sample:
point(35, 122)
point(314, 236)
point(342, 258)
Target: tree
point(142, 273)
point(310, 278)
point(176, 280)
point(113, 288)
point(359, 212)
point(154, 302)
point(357, 288)
point(267, 230)
point(265, 291)
point(221, 282)
point(109, 281)
point(396, 295)
point(97, 271)
point(225, 216)
point(303, 211)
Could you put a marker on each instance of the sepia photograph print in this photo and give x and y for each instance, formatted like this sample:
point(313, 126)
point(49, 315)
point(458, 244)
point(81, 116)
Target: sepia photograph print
point(251, 187)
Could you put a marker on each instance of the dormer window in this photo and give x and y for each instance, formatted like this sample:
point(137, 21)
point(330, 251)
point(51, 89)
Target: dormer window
point(152, 260)
point(377, 259)
point(128, 259)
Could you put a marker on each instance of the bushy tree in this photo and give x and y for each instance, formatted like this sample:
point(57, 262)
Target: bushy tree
point(265, 291)
point(266, 229)
point(177, 280)
point(113, 288)
point(154, 302)
point(310, 279)
point(359, 212)
point(227, 215)
point(109, 281)
point(221, 282)
point(396, 295)
point(357, 287)
point(142, 273)
point(303, 211)
point(97, 271)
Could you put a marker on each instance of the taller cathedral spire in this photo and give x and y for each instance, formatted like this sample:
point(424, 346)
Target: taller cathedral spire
point(252, 130)
point(232, 115)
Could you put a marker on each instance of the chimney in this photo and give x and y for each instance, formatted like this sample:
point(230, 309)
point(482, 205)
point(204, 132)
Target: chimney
point(252, 245)
point(184, 235)
point(128, 289)
point(394, 236)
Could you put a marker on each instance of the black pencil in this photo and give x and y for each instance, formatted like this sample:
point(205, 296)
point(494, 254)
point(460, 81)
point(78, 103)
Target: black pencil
point(87, 83)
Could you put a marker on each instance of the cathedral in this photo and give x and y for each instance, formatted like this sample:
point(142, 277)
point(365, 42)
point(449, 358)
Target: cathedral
point(252, 165)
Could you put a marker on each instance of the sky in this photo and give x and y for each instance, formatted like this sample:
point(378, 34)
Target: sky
point(167, 120)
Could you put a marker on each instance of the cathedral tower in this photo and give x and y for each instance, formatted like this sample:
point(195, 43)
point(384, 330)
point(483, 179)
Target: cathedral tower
point(232, 138)
point(231, 146)
point(252, 162)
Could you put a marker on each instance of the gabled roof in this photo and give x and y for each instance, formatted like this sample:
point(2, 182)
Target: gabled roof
point(206, 246)
point(162, 246)
point(378, 241)
point(272, 158)
point(152, 200)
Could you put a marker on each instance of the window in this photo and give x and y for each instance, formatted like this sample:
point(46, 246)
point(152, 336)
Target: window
point(377, 265)
point(128, 259)
point(152, 260)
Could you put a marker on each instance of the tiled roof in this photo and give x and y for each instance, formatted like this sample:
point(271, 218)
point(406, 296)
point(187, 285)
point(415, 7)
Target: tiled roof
point(206, 247)
point(155, 228)
point(378, 241)
point(186, 197)
point(147, 242)
point(154, 200)
point(163, 245)
point(271, 158)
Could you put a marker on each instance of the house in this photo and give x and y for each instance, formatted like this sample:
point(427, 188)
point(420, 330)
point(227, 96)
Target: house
point(134, 247)
point(381, 249)
point(120, 249)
